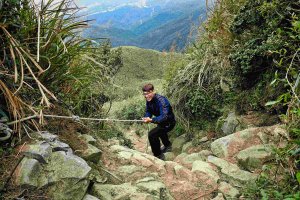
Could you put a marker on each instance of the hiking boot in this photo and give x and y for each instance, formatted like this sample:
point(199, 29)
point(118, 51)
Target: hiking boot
point(166, 149)
point(161, 156)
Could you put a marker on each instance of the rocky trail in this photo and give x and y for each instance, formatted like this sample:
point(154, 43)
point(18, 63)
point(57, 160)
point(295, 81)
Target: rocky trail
point(108, 170)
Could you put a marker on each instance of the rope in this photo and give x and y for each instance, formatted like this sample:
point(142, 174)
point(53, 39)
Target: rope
point(75, 118)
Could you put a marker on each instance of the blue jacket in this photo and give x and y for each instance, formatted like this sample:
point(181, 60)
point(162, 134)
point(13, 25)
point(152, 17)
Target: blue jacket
point(161, 108)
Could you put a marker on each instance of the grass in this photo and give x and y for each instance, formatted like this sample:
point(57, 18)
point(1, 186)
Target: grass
point(140, 66)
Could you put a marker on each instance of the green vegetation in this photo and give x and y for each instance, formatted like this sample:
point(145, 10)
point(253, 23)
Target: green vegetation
point(246, 58)
point(44, 59)
point(140, 66)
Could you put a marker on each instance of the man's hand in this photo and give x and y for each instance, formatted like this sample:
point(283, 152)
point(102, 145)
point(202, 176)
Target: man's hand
point(147, 119)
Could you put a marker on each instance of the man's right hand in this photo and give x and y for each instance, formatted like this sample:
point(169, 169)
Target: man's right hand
point(147, 119)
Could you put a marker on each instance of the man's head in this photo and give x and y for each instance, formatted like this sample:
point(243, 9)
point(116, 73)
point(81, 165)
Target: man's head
point(148, 91)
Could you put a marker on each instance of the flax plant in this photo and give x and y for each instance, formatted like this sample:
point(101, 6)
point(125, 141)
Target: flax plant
point(42, 54)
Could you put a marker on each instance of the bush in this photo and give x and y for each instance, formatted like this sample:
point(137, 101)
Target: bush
point(202, 105)
point(133, 110)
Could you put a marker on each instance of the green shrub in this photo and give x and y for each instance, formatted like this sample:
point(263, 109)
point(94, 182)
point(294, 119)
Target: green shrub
point(132, 110)
point(202, 105)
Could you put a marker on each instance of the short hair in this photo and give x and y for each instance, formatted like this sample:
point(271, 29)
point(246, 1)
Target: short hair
point(148, 87)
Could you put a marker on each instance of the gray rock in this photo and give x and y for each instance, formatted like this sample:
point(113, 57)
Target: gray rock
point(228, 191)
point(28, 172)
point(125, 155)
point(130, 169)
point(40, 151)
point(123, 191)
point(231, 123)
point(219, 197)
point(64, 166)
point(88, 138)
point(186, 147)
point(231, 144)
point(232, 173)
point(66, 175)
point(44, 135)
point(204, 154)
point(188, 159)
point(178, 144)
point(254, 157)
point(89, 197)
point(204, 139)
point(60, 146)
point(154, 187)
point(206, 168)
point(169, 156)
point(68, 189)
point(92, 153)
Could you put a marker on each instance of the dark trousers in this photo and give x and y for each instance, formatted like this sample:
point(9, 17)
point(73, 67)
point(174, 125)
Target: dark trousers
point(160, 132)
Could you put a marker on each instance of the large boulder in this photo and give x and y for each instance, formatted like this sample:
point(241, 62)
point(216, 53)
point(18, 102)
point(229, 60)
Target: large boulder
point(206, 168)
point(229, 146)
point(254, 157)
point(228, 191)
point(231, 124)
point(28, 172)
point(188, 159)
point(123, 191)
point(178, 143)
point(51, 164)
point(232, 172)
point(40, 151)
point(155, 187)
point(92, 153)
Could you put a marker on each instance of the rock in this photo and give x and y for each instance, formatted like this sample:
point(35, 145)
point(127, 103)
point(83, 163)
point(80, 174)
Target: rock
point(68, 189)
point(44, 135)
point(88, 139)
point(178, 143)
point(130, 169)
point(232, 173)
point(92, 153)
point(140, 160)
point(117, 148)
point(188, 159)
point(123, 191)
point(229, 145)
point(186, 147)
point(254, 157)
point(154, 187)
point(124, 155)
point(219, 197)
point(204, 139)
point(169, 156)
point(63, 166)
point(67, 176)
point(231, 123)
point(204, 167)
point(60, 146)
point(28, 172)
point(228, 191)
point(89, 197)
point(40, 151)
point(204, 154)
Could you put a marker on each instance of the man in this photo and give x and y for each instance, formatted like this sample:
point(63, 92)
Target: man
point(160, 107)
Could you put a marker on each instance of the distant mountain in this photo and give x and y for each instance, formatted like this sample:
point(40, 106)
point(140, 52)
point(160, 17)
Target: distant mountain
point(154, 24)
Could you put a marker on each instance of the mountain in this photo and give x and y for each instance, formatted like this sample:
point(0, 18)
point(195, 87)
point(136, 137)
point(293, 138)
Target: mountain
point(154, 24)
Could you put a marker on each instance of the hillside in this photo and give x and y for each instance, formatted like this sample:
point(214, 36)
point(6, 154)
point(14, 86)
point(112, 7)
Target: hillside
point(156, 25)
point(139, 66)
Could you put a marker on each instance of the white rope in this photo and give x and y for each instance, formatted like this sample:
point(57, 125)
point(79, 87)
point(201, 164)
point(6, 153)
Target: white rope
point(75, 118)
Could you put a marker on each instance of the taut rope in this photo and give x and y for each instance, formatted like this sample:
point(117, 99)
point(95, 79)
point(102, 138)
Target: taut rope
point(76, 118)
